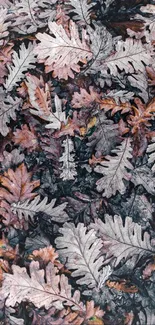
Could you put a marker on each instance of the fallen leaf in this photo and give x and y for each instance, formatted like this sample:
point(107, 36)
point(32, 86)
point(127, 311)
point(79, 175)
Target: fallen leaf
point(17, 185)
point(26, 138)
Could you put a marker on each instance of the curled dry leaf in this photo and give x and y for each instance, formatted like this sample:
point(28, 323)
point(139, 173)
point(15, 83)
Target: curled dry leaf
point(121, 286)
point(151, 75)
point(46, 254)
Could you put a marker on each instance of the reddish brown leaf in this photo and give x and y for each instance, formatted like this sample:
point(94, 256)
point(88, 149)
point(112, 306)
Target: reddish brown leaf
point(121, 286)
point(17, 185)
point(110, 104)
point(84, 99)
point(26, 138)
point(4, 267)
point(47, 254)
point(70, 128)
point(142, 115)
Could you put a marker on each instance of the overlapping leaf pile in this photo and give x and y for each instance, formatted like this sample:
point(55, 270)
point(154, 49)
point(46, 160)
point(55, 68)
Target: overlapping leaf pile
point(77, 162)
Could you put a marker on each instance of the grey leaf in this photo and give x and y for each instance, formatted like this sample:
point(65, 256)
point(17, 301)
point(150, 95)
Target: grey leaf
point(82, 250)
point(114, 170)
point(29, 208)
point(122, 241)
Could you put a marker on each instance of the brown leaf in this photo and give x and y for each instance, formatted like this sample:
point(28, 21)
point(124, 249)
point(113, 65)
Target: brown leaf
point(26, 138)
point(70, 128)
point(39, 95)
point(47, 254)
point(94, 161)
point(4, 267)
point(85, 99)
point(121, 286)
point(110, 104)
point(142, 115)
point(68, 317)
point(17, 185)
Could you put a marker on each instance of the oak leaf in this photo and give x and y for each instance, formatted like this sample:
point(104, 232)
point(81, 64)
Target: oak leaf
point(85, 99)
point(81, 10)
point(82, 251)
point(29, 208)
point(130, 55)
point(122, 241)
point(17, 185)
point(71, 127)
point(142, 114)
point(47, 254)
point(26, 138)
point(67, 159)
point(3, 24)
point(42, 288)
point(91, 316)
point(105, 136)
point(61, 53)
point(121, 286)
point(21, 63)
point(110, 104)
point(114, 170)
point(8, 107)
point(39, 96)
